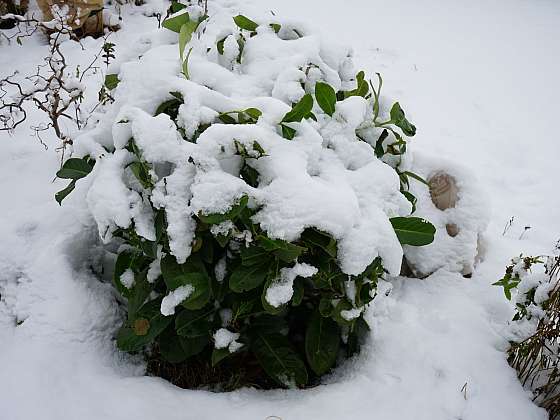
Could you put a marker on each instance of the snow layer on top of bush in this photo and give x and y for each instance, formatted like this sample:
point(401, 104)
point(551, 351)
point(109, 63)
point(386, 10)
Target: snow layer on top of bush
point(325, 177)
point(431, 339)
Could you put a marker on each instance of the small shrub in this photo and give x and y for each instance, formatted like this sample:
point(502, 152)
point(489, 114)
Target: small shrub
point(214, 297)
point(534, 353)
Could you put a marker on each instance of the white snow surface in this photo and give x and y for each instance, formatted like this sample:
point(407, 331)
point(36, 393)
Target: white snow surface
point(311, 181)
point(281, 290)
point(175, 298)
point(224, 338)
point(479, 79)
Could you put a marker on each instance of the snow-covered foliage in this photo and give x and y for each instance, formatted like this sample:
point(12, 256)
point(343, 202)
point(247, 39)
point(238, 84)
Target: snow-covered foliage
point(265, 176)
point(534, 330)
point(436, 350)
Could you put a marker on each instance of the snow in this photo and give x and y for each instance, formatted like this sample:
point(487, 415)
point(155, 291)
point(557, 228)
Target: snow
point(127, 278)
point(310, 181)
point(223, 338)
point(175, 298)
point(154, 270)
point(281, 290)
point(479, 81)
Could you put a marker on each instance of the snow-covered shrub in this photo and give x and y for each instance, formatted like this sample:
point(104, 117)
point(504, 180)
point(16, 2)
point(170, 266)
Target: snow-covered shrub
point(535, 328)
point(252, 184)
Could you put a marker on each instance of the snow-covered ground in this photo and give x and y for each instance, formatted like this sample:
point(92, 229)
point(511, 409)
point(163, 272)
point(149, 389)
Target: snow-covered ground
point(479, 80)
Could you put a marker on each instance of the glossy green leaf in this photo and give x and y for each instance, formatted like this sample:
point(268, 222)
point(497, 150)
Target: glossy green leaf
point(279, 360)
point(193, 324)
point(176, 6)
point(284, 250)
point(62, 194)
point(175, 21)
point(74, 168)
point(322, 342)
point(254, 255)
point(326, 97)
point(245, 23)
point(313, 237)
point(247, 278)
point(193, 346)
point(413, 230)
point(218, 355)
point(111, 81)
point(398, 118)
point(170, 347)
point(300, 110)
point(191, 273)
point(275, 27)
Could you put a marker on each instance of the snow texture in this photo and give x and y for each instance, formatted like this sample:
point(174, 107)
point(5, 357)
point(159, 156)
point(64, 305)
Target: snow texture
point(127, 278)
point(223, 338)
point(322, 178)
point(175, 298)
point(281, 290)
point(477, 78)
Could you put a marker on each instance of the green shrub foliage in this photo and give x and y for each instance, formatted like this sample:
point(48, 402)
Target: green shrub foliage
point(242, 295)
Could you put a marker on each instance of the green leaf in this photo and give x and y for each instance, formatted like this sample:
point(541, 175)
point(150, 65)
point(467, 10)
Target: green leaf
point(74, 168)
point(132, 339)
point(326, 97)
point(362, 87)
point(142, 174)
point(413, 230)
point(279, 361)
point(170, 347)
point(288, 132)
point(325, 307)
point(185, 35)
point(170, 107)
point(253, 113)
point(275, 27)
point(314, 237)
point(253, 255)
point(174, 22)
point(272, 310)
point(127, 259)
point(245, 23)
point(299, 292)
point(217, 218)
point(191, 273)
point(398, 118)
point(193, 324)
point(241, 44)
point(416, 177)
point(176, 6)
point(336, 314)
point(111, 81)
point(193, 346)
point(218, 355)
point(411, 198)
point(248, 278)
point(300, 110)
point(61, 195)
point(285, 251)
point(138, 294)
point(379, 151)
point(220, 45)
point(322, 342)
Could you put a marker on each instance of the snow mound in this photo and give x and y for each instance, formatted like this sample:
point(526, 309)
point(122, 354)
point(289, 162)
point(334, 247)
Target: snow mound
point(326, 177)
